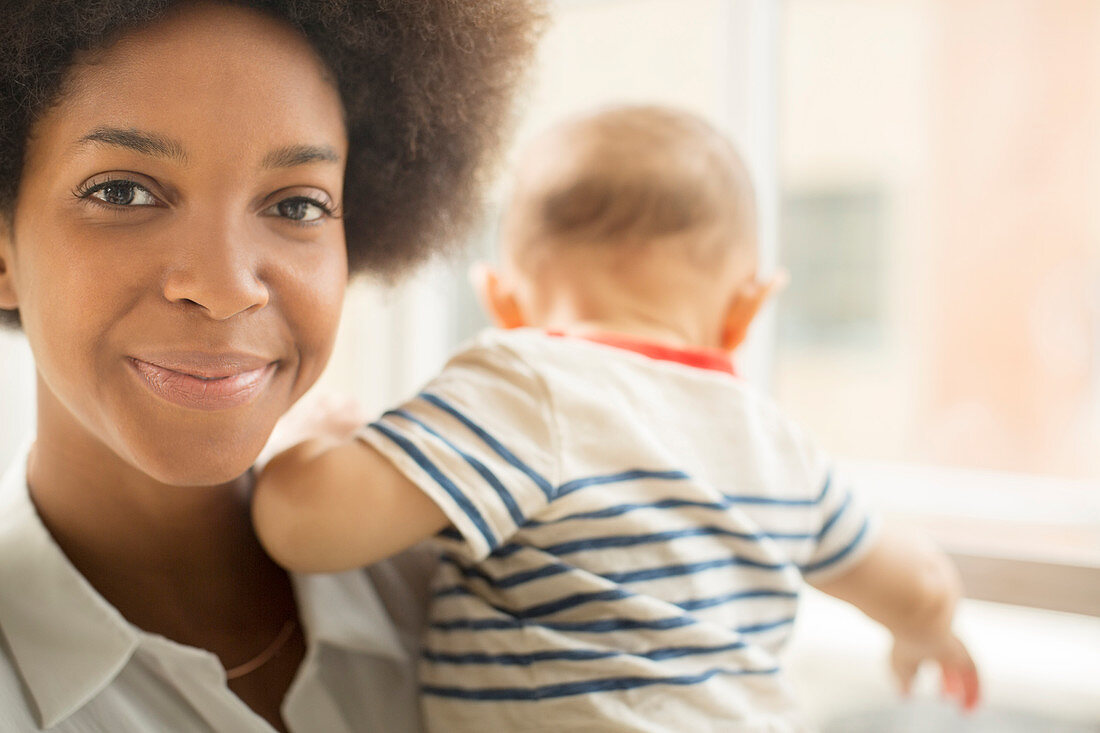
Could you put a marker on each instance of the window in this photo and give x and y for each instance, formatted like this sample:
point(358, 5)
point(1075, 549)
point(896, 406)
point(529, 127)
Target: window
point(940, 165)
point(831, 246)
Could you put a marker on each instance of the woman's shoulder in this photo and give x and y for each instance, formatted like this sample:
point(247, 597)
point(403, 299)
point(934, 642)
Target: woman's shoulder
point(403, 581)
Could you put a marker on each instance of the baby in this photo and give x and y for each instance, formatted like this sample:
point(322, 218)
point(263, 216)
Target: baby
point(626, 523)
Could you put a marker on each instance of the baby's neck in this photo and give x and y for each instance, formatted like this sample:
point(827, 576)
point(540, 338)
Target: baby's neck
point(674, 308)
point(655, 330)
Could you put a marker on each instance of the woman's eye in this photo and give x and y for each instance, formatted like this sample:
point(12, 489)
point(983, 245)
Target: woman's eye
point(122, 193)
point(298, 209)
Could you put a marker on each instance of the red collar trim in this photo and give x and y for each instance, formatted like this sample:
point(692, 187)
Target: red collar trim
point(700, 358)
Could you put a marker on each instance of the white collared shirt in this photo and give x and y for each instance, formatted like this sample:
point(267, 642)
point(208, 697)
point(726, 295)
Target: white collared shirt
point(69, 661)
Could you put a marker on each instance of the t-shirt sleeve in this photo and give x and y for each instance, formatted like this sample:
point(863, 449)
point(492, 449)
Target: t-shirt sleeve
point(839, 524)
point(843, 529)
point(480, 441)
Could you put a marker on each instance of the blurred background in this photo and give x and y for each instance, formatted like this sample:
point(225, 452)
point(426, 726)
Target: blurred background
point(929, 173)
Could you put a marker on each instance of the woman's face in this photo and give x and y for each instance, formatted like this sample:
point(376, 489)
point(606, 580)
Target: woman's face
point(174, 260)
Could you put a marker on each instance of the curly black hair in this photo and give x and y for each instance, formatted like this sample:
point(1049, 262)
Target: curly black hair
point(426, 87)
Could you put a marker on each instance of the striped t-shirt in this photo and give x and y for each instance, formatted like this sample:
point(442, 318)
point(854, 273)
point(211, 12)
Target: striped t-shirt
point(630, 533)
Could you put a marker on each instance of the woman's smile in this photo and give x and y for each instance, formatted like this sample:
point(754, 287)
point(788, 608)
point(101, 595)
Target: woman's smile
point(205, 381)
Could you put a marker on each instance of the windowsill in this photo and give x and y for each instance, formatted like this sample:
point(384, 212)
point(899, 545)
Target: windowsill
point(1033, 664)
point(1022, 540)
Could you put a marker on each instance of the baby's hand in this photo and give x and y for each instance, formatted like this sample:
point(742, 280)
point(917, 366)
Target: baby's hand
point(960, 676)
point(327, 416)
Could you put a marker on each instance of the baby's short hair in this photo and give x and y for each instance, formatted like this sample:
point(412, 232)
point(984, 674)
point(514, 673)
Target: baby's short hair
point(633, 175)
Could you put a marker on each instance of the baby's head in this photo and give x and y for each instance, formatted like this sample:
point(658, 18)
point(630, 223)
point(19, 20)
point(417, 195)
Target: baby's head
point(633, 219)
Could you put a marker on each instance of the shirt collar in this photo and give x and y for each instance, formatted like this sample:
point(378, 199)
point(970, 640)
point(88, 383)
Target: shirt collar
point(343, 610)
point(698, 357)
point(66, 641)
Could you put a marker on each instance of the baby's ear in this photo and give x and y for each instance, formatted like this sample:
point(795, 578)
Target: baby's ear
point(747, 302)
point(8, 299)
point(498, 300)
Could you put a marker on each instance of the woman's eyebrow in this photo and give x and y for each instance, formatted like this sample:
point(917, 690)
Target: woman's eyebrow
point(160, 146)
point(146, 143)
point(292, 155)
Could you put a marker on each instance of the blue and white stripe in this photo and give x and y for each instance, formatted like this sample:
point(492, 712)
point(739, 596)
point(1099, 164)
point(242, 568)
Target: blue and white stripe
point(575, 573)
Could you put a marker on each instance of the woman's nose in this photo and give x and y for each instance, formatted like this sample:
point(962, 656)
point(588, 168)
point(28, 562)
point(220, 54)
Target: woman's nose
point(219, 272)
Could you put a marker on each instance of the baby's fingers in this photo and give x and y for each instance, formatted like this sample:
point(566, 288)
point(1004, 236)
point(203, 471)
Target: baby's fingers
point(950, 686)
point(960, 677)
point(905, 669)
point(968, 688)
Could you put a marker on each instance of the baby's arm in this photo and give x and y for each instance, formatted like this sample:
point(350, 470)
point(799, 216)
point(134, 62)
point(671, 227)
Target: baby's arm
point(908, 585)
point(326, 505)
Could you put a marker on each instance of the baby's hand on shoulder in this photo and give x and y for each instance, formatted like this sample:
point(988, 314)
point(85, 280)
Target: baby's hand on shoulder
point(327, 416)
point(958, 673)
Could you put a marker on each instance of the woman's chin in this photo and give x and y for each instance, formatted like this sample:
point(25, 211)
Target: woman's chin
point(212, 475)
point(198, 463)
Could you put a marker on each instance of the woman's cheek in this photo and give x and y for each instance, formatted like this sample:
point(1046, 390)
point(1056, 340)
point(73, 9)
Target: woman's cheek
point(314, 303)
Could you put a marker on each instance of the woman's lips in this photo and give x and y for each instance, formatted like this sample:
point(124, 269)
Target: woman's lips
point(205, 383)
